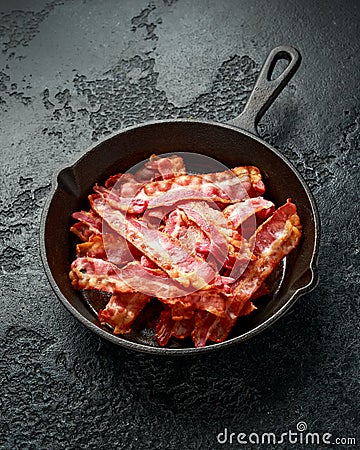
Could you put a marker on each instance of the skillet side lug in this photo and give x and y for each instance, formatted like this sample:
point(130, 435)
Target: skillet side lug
point(67, 181)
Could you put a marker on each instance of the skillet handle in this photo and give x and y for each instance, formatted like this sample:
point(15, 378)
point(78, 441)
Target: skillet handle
point(266, 90)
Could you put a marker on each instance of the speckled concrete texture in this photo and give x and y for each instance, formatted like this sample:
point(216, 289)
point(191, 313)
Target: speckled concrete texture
point(73, 71)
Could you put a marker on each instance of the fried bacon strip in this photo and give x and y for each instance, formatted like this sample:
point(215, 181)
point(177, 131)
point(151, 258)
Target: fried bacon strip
point(127, 205)
point(124, 185)
point(94, 273)
point(274, 239)
point(110, 247)
point(180, 311)
point(164, 327)
point(169, 326)
point(168, 167)
point(189, 234)
point(190, 226)
point(89, 224)
point(199, 315)
point(122, 310)
point(226, 245)
point(182, 328)
point(166, 251)
point(238, 213)
point(94, 247)
point(212, 301)
point(128, 184)
point(215, 329)
point(174, 223)
point(250, 178)
point(91, 273)
point(212, 222)
point(223, 187)
point(150, 280)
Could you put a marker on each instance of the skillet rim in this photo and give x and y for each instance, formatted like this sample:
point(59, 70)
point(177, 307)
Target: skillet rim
point(130, 345)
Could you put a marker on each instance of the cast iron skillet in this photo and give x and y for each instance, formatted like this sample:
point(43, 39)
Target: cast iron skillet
point(233, 144)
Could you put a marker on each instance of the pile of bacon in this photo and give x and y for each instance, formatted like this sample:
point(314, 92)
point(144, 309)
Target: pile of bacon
point(184, 240)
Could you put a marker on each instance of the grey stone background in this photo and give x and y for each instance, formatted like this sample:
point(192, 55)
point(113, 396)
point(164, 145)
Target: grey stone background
point(71, 72)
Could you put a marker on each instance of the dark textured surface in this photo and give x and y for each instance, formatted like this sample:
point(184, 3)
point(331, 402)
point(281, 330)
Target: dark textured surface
point(73, 71)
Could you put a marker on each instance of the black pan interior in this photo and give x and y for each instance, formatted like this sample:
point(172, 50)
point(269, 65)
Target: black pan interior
point(228, 145)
